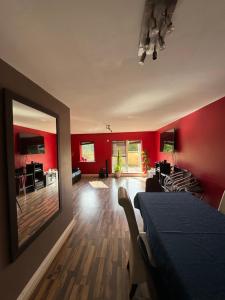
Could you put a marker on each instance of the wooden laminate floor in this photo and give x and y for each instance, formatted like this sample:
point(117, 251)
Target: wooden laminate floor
point(92, 263)
point(35, 209)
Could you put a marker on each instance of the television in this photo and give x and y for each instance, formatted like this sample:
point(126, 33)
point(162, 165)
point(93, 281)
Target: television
point(167, 141)
point(30, 143)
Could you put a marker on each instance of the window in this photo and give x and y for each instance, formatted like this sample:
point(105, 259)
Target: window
point(87, 152)
point(130, 152)
point(119, 146)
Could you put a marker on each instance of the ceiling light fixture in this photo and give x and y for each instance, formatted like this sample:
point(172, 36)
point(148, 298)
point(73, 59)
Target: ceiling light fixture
point(142, 59)
point(154, 54)
point(108, 127)
point(156, 23)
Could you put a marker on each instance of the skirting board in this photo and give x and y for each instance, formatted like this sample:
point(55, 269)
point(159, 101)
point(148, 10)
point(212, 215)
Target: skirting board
point(122, 175)
point(37, 276)
point(89, 175)
point(133, 175)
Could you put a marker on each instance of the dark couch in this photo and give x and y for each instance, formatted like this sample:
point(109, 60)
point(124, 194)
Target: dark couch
point(76, 175)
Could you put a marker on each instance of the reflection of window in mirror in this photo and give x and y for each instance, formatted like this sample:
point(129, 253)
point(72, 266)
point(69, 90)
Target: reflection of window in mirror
point(36, 168)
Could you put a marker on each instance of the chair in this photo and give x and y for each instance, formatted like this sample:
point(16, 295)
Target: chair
point(21, 184)
point(147, 257)
point(153, 185)
point(138, 270)
point(221, 207)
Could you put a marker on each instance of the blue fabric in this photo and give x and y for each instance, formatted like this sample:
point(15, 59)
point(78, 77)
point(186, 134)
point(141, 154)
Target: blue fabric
point(188, 242)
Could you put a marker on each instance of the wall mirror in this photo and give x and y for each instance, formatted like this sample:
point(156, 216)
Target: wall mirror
point(33, 172)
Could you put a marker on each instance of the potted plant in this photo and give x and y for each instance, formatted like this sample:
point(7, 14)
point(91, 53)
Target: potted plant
point(118, 166)
point(145, 162)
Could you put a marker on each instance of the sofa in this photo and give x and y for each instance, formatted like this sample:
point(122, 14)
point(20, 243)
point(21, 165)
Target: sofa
point(76, 175)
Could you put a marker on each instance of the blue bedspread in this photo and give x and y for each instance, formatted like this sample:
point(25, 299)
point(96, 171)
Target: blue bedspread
point(188, 242)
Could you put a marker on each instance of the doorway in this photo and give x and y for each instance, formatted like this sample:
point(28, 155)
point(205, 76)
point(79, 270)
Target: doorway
point(130, 151)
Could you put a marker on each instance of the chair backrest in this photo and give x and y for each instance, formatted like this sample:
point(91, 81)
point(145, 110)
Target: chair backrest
point(221, 207)
point(153, 185)
point(137, 268)
point(125, 202)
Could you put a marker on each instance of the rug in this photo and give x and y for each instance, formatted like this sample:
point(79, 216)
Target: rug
point(98, 185)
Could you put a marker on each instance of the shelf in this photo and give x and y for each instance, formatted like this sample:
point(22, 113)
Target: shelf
point(30, 174)
point(28, 186)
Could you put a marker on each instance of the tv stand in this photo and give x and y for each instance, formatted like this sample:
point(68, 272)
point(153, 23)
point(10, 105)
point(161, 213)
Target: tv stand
point(38, 174)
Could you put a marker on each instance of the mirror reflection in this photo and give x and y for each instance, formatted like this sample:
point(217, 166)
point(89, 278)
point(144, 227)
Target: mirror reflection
point(36, 169)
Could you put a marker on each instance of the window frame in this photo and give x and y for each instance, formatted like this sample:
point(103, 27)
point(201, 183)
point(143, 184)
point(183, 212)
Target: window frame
point(82, 143)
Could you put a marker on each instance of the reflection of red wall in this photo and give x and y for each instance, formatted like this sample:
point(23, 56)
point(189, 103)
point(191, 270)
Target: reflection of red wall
point(49, 158)
point(201, 147)
point(103, 148)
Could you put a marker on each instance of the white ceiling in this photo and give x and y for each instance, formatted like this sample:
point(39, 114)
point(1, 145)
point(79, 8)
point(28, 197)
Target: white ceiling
point(29, 117)
point(85, 54)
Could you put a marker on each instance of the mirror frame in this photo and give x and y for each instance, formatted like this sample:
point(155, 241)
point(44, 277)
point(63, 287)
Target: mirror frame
point(15, 249)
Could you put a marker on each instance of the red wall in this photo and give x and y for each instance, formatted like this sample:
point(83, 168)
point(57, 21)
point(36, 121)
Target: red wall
point(201, 147)
point(103, 148)
point(49, 158)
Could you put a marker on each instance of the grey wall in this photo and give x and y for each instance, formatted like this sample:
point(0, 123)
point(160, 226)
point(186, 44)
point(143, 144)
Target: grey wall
point(14, 276)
